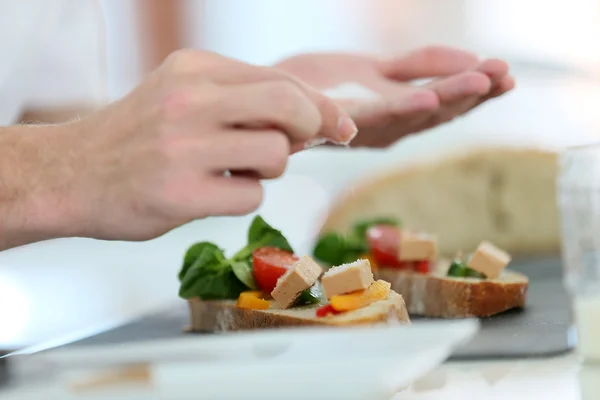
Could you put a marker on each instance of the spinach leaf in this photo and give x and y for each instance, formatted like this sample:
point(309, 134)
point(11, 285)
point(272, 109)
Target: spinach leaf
point(243, 272)
point(459, 269)
point(216, 284)
point(211, 277)
point(206, 272)
point(336, 249)
point(192, 255)
point(360, 228)
point(311, 296)
point(261, 234)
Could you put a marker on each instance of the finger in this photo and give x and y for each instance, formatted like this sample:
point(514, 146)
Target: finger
point(279, 104)
point(264, 154)
point(336, 125)
point(495, 69)
point(505, 85)
point(428, 62)
point(232, 195)
point(458, 87)
point(382, 112)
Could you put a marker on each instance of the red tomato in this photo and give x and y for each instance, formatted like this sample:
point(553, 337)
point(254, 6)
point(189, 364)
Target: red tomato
point(422, 266)
point(326, 310)
point(269, 264)
point(383, 241)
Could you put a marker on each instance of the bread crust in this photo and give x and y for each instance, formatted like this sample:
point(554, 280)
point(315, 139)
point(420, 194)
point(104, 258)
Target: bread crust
point(211, 316)
point(443, 297)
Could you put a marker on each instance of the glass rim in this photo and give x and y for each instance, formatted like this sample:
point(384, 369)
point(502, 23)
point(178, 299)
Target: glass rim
point(582, 147)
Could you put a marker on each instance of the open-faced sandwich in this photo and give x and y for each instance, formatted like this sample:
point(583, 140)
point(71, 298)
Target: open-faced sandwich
point(266, 285)
point(478, 286)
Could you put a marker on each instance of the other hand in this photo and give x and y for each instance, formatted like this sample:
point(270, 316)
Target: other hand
point(461, 82)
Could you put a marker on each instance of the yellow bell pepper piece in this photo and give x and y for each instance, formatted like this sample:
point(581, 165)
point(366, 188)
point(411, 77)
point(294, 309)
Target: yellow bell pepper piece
point(371, 259)
point(253, 301)
point(379, 290)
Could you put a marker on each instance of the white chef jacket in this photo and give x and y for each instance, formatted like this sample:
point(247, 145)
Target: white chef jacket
point(52, 55)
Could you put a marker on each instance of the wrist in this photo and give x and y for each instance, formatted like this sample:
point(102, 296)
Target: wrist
point(35, 184)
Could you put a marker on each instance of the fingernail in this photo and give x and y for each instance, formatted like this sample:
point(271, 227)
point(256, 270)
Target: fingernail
point(314, 143)
point(347, 129)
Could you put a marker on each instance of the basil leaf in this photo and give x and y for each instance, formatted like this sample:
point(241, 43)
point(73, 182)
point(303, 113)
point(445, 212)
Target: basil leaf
point(206, 272)
point(457, 269)
point(211, 277)
point(261, 232)
point(471, 273)
point(311, 296)
point(335, 249)
point(221, 284)
point(243, 272)
point(360, 228)
point(192, 254)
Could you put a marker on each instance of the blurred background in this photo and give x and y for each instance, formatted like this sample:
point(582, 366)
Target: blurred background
point(66, 287)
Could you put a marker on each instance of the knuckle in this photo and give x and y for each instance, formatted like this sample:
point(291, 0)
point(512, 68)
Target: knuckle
point(178, 102)
point(188, 60)
point(174, 103)
point(179, 60)
point(286, 98)
point(278, 152)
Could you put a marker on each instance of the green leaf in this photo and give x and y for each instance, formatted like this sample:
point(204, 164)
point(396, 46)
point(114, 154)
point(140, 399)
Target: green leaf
point(243, 272)
point(206, 272)
point(211, 277)
point(471, 273)
point(261, 234)
point(311, 296)
point(336, 249)
point(457, 269)
point(360, 228)
point(220, 284)
point(192, 255)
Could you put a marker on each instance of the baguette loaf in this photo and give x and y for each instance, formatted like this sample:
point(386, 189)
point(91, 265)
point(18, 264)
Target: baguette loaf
point(436, 295)
point(226, 316)
point(505, 195)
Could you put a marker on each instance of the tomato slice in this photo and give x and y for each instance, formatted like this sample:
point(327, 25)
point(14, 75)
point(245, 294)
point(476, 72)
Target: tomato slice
point(422, 266)
point(269, 264)
point(383, 241)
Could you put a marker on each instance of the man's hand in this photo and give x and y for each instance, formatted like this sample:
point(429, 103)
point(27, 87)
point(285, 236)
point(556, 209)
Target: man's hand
point(191, 141)
point(460, 83)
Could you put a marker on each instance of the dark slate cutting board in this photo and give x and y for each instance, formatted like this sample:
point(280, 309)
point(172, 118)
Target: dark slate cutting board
point(541, 330)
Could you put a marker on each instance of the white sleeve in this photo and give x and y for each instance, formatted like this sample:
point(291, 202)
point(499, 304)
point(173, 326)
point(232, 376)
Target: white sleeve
point(71, 68)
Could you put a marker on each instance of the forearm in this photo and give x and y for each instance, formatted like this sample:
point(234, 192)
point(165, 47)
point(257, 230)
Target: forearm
point(34, 182)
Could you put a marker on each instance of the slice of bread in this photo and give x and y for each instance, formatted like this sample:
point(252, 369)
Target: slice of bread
point(437, 295)
point(210, 316)
point(504, 195)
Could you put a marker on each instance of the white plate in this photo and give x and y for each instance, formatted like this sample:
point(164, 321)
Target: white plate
point(353, 363)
